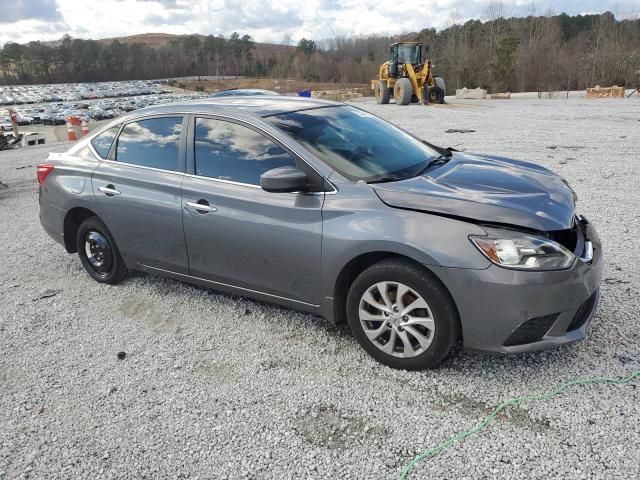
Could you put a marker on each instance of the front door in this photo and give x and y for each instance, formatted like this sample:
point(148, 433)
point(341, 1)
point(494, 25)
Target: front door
point(139, 192)
point(238, 234)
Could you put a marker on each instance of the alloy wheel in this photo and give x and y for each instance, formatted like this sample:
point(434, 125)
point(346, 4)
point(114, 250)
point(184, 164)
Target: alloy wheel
point(396, 319)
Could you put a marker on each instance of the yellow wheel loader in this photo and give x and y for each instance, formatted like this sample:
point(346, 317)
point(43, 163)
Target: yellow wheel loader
point(407, 77)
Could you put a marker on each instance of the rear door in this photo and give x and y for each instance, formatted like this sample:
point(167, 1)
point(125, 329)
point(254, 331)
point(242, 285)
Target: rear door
point(138, 187)
point(238, 234)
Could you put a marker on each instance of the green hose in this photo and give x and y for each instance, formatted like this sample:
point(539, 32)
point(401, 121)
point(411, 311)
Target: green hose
point(480, 426)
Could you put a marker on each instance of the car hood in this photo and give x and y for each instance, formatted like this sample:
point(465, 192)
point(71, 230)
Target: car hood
point(487, 189)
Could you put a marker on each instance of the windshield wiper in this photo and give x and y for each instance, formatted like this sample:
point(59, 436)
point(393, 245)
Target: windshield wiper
point(384, 180)
point(439, 160)
point(442, 151)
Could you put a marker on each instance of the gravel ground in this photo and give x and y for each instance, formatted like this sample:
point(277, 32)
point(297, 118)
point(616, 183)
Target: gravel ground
point(215, 386)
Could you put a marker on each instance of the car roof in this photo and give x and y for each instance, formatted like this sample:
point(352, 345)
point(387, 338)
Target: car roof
point(261, 106)
point(243, 91)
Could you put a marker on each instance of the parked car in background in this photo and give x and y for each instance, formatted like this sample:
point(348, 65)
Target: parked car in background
point(326, 208)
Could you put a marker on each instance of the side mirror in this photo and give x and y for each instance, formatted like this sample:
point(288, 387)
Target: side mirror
point(283, 180)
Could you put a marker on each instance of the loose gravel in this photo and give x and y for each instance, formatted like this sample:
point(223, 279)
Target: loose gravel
point(159, 379)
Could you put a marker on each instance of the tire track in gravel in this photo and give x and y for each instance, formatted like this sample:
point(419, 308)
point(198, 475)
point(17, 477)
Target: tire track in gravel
point(17, 188)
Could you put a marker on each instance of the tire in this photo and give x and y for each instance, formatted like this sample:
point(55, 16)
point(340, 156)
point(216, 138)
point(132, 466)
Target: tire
point(437, 324)
point(105, 264)
point(439, 81)
point(383, 95)
point(436, 95)
point(438, 92)
point(402, 91)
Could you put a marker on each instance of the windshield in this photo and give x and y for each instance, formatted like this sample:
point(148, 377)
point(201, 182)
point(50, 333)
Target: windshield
point(356, 143)
point(408, 53)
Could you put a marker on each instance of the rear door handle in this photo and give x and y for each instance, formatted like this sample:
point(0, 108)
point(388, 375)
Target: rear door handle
point(109, 190)
point(203, 207)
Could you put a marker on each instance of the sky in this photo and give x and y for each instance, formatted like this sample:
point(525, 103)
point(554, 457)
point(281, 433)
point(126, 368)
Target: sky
point(265, 20)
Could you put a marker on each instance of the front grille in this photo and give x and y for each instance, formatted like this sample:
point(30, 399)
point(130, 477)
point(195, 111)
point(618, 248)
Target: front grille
point(583, 313)
point(567, 238)
point(531, 331)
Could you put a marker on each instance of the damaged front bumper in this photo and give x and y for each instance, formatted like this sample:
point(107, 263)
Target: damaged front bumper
point(511, 311)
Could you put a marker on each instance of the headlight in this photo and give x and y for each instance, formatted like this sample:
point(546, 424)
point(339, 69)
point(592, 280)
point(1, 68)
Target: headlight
point(522, 251)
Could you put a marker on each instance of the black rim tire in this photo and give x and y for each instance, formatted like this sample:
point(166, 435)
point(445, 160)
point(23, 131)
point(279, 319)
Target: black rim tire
point(439, 82)
point(436, 95)
point(431, 289)
point(112, 268)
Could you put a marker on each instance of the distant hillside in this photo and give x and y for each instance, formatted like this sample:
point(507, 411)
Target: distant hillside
point(157, 40)
point(150, 39)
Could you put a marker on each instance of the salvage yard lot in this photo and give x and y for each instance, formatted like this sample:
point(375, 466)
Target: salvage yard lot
point(215, 386)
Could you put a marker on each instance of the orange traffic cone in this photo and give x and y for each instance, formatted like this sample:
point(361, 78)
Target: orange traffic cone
point(85, 127)
point(71, 134)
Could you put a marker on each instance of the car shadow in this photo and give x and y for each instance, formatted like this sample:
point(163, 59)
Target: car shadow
point(460, 361)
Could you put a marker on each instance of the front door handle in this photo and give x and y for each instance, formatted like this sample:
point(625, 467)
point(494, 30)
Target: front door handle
point(202, 206)
point(109, 190)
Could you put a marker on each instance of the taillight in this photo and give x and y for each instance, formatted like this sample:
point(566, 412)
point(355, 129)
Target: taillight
point(42, 171)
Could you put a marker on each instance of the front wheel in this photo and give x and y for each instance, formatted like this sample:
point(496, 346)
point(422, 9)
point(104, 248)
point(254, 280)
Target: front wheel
point(403, 91)
point(98, 252)
point(402, 315)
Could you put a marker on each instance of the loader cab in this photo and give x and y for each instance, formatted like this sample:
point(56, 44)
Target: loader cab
point(401, 53)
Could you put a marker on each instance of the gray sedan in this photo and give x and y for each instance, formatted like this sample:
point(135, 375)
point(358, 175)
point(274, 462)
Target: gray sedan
point(326, 208)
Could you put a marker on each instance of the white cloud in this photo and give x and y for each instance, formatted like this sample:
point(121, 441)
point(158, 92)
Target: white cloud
point(263, 19)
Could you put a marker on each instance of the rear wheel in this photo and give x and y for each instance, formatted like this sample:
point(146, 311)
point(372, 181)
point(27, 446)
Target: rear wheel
point(98, 252)
point(402, 91)
point(383, 95)
point(402, 315)
point(439, 81)
point(439, 91)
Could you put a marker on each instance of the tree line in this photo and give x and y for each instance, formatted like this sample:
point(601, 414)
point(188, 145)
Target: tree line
point(538, 53)
point(77, 60)
point(533, 53)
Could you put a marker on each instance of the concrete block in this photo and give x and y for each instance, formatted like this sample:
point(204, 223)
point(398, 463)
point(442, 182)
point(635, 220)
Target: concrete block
point(471, 93)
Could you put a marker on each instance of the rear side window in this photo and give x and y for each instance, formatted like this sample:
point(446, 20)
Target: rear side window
point(228, 151)
point(102, 143)
point(151, 143)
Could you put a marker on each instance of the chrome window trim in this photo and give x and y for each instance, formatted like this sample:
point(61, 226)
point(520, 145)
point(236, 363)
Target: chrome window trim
point(222, 180)
point(224, 116)
point(270, 136)
point(142, 166)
